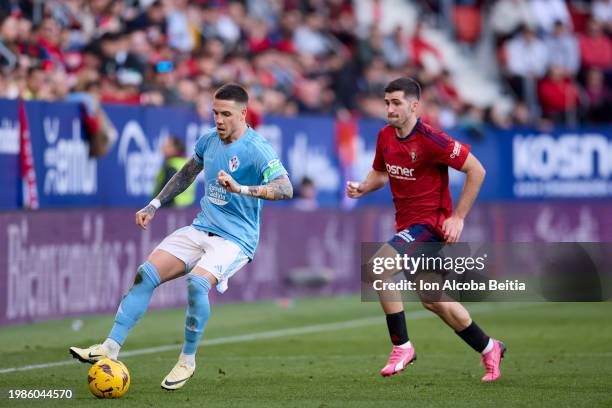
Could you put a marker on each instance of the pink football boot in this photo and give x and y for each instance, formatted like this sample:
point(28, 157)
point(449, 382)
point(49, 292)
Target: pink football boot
point(398, 360)
point(492, 361)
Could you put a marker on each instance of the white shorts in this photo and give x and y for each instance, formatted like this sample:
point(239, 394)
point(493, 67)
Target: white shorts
point(215, 254)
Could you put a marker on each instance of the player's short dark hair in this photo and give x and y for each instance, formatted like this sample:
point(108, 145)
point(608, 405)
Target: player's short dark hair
point(232, 92)
point(409, 86)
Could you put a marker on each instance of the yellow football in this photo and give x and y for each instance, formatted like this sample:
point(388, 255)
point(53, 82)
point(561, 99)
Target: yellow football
point(108, 379)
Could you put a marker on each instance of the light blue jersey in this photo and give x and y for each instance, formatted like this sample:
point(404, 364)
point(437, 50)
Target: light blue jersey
point(251, 161)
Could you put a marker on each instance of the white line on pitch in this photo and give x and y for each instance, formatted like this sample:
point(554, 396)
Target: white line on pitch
point(319, 328)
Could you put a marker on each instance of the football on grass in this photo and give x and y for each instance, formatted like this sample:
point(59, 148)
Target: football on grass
point(108, 379)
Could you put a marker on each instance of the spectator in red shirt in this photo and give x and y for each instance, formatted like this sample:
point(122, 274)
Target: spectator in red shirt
point(419, 47)
point(447, 91)
point(595, 47)
point(558, 93)
point(50, 39)
point(258, 37)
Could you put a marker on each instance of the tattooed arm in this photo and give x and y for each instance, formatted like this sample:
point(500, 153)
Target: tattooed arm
point(175, 186)
point(278, 189)
point(180, 181)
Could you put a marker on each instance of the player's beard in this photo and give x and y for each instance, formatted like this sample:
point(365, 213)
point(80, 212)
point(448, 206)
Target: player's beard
point(395, 122)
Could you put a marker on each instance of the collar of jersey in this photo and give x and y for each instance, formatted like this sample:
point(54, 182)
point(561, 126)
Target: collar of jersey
point(403, 139)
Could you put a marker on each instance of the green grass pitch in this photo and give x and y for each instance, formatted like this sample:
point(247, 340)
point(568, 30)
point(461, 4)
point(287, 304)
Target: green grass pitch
point(327, 352)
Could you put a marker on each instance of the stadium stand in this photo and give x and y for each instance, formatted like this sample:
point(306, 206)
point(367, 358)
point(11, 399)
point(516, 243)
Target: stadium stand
point(496, 60)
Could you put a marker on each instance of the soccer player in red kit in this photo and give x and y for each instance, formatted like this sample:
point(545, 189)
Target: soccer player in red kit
point(414, 158)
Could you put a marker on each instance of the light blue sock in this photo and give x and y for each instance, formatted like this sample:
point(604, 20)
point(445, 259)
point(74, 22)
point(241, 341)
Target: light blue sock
point(198, 312)
point(135, 303)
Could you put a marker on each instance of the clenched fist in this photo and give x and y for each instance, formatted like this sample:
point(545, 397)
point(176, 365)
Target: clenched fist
point(144, 216)
point(228, 182)
point(452, 228)
point(353, 189)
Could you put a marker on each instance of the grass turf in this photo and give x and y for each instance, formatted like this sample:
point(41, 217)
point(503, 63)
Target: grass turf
point(558, 355)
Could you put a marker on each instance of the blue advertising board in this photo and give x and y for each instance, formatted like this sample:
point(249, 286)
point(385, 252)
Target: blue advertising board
point(563, 163)
point(522, 164)
point(10, 180)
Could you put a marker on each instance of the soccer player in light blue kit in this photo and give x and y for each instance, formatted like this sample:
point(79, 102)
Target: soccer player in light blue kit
point(241, 169)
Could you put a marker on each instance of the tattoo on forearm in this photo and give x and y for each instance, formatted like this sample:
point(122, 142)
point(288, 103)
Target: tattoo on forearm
point(253, 190)
point(149, 209)
point(278, 189)
point(180, 181)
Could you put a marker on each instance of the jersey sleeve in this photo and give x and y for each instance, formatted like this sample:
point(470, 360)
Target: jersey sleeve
point(200, 147)
point(268, 163)
point(379, 161)
point(446, 150)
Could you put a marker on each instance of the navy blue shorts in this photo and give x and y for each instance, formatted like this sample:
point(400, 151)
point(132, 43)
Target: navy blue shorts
point(418, 240)
point(405, 240)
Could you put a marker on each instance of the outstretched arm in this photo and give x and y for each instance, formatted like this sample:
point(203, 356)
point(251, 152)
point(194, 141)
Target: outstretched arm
point(180, 181)
point(175, 186)
point(278, 189)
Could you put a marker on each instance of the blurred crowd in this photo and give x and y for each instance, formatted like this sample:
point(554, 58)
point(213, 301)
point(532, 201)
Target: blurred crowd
point(557, 53)
point(308, 56)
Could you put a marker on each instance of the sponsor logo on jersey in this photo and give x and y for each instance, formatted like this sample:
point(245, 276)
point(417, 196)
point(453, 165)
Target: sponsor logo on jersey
point(217, 194)
point(456, 150)
point(400, 172)
point(234, 163)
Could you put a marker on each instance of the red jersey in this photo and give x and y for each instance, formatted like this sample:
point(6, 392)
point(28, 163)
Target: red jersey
point(417, 166)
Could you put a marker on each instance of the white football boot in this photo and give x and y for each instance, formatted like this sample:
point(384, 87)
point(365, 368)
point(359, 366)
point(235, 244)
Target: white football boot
point(179, 375)
point(90, 354)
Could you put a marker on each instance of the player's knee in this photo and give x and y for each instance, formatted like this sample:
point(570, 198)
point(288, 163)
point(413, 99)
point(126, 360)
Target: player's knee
point(435, 307)
point(197, 285)
point(147, 273)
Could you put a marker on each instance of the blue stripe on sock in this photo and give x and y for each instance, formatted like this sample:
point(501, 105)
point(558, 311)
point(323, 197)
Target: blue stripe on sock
point(151, 272)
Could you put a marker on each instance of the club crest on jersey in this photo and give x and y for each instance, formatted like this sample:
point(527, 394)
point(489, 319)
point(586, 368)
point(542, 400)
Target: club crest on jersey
point(234, 163)
point(413, 155)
